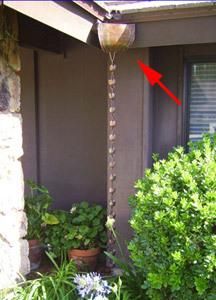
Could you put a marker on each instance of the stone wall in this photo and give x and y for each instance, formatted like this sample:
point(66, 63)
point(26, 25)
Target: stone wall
point(13, 224)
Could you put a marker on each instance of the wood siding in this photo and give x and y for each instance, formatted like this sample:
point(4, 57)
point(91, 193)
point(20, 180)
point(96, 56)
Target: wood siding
point(133, 131)
point(72, 114)
point(29, 159)
point(143, 130)
point(70, 95)
point(169, 120)
point(166, 61)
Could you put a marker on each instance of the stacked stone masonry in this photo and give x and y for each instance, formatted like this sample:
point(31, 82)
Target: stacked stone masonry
point(13, 223)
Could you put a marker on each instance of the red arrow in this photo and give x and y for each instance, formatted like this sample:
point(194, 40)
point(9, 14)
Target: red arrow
point(155, 77)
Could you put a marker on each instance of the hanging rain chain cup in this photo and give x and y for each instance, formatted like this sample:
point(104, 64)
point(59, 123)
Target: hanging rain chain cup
point(113, 38)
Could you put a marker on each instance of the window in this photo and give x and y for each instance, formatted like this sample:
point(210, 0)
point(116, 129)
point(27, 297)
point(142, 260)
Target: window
point(202, 99)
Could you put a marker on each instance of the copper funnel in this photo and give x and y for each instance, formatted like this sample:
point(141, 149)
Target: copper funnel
point(115, 37)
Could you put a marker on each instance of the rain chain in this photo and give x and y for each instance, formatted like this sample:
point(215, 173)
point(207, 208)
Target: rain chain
point(111, 147)
point(113, 37)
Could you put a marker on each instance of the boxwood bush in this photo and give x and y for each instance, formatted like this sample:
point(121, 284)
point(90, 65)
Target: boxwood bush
point(174, 223)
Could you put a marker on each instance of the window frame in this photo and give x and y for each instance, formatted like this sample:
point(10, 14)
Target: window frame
point(189, 61)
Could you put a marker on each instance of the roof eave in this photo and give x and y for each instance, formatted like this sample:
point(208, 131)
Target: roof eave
point(169, 14)
point(136, 15)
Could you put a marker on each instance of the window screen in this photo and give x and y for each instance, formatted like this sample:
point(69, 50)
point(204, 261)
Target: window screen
point(202, 100)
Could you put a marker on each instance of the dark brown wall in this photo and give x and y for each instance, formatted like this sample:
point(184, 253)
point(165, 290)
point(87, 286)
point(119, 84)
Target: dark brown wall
point(143, 129)
point(169, 120)
point(28, 113)
point(72, 101)
point(72, 114)
point(133, 131)
point(70, 95)
point(165, 60)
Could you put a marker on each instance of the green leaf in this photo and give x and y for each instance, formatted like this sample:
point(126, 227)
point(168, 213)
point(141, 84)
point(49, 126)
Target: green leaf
point(201, 285)
point(155, 280)
point(50, 219)
point(86, 242)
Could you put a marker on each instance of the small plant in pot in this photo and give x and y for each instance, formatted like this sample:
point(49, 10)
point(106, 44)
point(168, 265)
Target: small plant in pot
point(36, 207)
point(87, 234)
point(80, 234)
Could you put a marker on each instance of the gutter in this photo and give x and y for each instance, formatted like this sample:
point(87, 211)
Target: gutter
point(149, 6)
point(157, 10)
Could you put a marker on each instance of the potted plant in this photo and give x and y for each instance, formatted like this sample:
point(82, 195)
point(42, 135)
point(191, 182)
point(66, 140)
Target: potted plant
point(36, 206)
point(81, 233)
point(87, 235)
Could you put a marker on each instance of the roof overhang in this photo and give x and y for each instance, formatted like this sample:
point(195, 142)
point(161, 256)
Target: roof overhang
point(143, 11)
point(166, 23)
point(66, 17)
point(170, 14)
point(77, 19)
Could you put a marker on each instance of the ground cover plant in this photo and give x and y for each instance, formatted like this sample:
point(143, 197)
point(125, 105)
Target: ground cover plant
point(174, 223)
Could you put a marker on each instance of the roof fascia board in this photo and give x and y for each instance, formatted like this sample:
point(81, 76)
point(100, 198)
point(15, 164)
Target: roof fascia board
point(63, 16)
point(176, 32)
point(169, 14)
point(125, 7)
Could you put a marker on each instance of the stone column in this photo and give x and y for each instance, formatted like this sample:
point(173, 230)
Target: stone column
point(13, 224)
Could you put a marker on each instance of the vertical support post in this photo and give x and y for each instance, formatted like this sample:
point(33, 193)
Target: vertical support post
point(13, 223)
point(134, 134)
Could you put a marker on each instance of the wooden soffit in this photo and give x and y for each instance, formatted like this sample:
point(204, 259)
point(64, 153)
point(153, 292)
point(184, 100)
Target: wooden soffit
point(62, 16)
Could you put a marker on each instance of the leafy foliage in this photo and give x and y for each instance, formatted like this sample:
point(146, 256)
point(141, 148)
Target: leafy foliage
point(56, 231)
point(56, 286)
point(63, 283)
point(81, 228)
point(88, 226)
point(129, 285)
point(36, 207)
point(174, 220)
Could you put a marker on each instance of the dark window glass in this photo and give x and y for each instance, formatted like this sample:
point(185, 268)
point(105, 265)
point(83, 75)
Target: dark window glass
point(202, 100)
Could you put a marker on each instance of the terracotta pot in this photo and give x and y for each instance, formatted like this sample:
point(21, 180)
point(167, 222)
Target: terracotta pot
point(35, 254)
point(85, 259)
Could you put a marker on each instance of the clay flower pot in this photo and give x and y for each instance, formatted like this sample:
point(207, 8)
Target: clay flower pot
point(85, 259)
point(35, 254)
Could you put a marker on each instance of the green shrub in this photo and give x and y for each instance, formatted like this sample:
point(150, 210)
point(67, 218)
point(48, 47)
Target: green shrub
point(174, 223)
